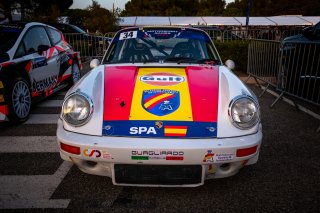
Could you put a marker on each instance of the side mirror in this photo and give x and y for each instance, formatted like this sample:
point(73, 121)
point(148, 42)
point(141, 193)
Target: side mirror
point(230, 64)
point(94, 63)
point(42, 48)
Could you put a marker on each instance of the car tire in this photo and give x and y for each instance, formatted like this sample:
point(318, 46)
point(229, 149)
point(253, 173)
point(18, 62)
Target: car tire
point(20, 101)
point(75, 73)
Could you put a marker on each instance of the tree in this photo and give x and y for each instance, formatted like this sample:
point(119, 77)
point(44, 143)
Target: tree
point(48, 11)
point(211, 7)
point(36, 10)
point(236, 8)
point(99, 19)
point(77, 16)
point(173, 7)
point(279, 7)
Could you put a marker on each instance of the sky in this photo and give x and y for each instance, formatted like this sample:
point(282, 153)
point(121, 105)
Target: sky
point(105, 3)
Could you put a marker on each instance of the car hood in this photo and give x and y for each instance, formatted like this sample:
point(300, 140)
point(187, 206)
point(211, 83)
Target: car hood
point(152, 100)
point(296, 38)
point(161, 101)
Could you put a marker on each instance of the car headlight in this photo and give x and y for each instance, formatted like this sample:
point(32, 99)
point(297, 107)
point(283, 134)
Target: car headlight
point(244, 112)
point(77, 109)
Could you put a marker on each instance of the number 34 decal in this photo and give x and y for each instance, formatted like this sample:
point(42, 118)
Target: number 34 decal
point(128, 35)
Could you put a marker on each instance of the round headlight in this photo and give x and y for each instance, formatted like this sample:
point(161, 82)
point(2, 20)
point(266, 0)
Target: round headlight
point(244, 112)
point(77, 109)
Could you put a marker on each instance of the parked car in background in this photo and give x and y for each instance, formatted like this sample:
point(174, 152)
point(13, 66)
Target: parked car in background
point(161, 110)
point(35, 61)
point(309, 34)
point(87, 44)
point(300, 64)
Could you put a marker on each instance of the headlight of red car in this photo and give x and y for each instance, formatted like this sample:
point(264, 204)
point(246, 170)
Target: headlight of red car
point(77, 109)
point(244, 112)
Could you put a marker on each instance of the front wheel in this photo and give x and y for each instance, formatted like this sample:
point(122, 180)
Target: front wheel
point(20, 105)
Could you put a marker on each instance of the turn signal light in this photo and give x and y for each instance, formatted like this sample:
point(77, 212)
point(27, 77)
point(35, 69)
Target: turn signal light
point(246, 151)
point(71, 149)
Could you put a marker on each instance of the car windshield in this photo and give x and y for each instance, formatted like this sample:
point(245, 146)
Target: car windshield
point(163, 45)
point(77, 29)
point(9, 35)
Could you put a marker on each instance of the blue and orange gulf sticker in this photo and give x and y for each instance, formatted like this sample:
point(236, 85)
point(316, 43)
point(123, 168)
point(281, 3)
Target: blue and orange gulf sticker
point(160, 129)
point(161, 93)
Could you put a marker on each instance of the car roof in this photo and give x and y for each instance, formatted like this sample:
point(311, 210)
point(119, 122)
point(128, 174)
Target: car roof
point(162, 27)
point(17, 25)
point(21, 25)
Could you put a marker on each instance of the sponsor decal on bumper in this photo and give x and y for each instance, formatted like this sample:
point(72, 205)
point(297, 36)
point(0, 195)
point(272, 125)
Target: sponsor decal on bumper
point(184, 129)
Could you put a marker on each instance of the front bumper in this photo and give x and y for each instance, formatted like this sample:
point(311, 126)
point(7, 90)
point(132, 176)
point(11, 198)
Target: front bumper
point(217, 157)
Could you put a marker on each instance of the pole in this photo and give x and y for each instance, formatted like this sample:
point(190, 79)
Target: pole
point(248, 16)
point(248, 13)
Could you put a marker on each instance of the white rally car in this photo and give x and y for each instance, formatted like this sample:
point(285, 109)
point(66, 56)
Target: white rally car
point(160, 110)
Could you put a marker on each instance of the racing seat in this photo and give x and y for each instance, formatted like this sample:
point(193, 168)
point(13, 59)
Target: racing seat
point(184, 49)
point(138, 52)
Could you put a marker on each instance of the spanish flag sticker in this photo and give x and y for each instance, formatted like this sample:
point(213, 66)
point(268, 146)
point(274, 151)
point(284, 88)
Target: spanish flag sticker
point(175, 131)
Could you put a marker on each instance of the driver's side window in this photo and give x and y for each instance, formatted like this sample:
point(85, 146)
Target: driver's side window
point(34, 38)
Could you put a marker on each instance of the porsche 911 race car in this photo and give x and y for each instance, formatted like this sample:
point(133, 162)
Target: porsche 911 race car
point(35, 61)
point(160, 110)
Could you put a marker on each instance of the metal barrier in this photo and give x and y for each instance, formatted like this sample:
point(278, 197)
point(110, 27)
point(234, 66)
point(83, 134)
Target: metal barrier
point(89, 45)
point(300, 74)
point(291, 67)
point(263, 61)
point(226, 35)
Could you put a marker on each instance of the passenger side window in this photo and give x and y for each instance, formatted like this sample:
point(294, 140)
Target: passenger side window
point(55, 36)
point(34, 38)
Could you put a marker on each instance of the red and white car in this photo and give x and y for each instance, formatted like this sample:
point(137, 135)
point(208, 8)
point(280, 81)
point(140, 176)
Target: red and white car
point(160, 110)
point(35, 61)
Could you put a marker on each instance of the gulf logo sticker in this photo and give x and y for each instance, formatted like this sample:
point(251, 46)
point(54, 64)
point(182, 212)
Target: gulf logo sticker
point(160, 102)
point(162, 79)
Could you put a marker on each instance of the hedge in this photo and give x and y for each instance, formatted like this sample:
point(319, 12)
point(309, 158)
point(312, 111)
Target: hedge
point(236, 51)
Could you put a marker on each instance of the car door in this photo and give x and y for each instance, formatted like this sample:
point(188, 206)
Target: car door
point(44, 68)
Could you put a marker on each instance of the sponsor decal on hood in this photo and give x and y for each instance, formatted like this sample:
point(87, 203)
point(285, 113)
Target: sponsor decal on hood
point(183, 100)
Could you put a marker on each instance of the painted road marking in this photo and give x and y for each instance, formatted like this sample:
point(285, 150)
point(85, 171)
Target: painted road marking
point(51, 103)
point(43, 119)
point(9, 144)
point(26, 191)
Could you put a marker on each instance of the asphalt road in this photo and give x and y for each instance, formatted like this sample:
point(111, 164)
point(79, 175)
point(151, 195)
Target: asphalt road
point(285, 179)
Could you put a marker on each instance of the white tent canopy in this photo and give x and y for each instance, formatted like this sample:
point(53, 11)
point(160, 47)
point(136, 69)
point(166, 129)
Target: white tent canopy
point(256, 21)
point(289, 20)
point(150, 20)
point(186, 20)
point(217, 21)
point(220, 21)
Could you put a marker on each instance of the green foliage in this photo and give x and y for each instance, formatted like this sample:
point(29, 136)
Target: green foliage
point(211, 7)
point(236, 51)
point(77, 16)
point(273, 8)
point(236, 8)
point(99, 19)
point(173, 7)
point(37, 10)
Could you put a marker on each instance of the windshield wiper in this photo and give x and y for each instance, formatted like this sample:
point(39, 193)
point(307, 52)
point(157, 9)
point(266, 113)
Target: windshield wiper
point(208, 61)
point(179, 59)
point(193, 60)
